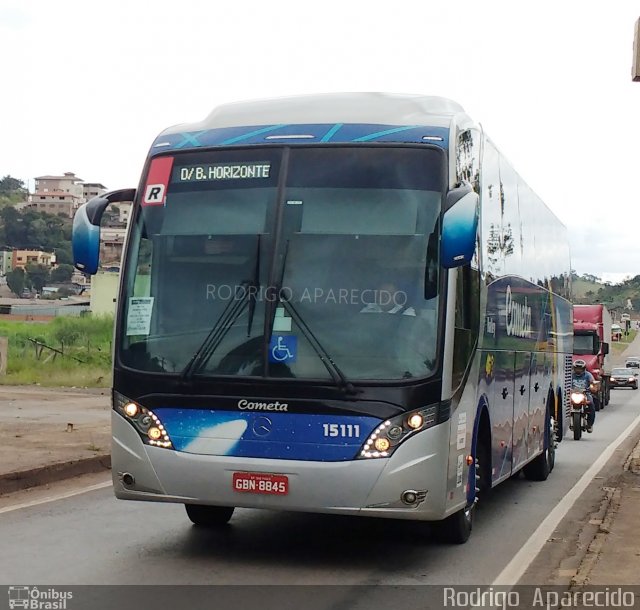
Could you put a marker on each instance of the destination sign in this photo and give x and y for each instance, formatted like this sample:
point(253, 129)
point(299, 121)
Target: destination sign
point(222, 171)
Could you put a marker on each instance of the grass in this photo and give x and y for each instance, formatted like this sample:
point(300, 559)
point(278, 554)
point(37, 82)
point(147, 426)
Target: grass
point(78, 352)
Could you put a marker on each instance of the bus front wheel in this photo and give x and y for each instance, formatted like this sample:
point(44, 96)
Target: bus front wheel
point(456, 528)
point(209, 516)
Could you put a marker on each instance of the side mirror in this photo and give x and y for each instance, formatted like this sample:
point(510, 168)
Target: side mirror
point(605, 348)
point(459, 227)
point(85, 240)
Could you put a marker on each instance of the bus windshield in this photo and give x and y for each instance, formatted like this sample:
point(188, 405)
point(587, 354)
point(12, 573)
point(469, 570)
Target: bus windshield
point(267, 262)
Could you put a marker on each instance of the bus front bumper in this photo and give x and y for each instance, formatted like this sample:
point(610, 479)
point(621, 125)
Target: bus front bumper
point(368, 487)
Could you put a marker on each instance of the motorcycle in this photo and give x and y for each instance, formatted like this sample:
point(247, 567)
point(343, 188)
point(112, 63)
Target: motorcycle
point(579, 412)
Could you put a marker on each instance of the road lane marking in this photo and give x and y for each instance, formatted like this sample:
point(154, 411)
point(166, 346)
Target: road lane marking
point(514, 570)
point(62, 496)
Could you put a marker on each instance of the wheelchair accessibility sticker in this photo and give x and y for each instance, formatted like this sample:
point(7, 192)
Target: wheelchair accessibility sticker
point(283, 348)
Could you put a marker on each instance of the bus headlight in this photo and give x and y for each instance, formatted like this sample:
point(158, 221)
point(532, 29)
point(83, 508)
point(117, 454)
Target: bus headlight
point(382, 444)
point(131, 409)
point(145, 421)
point(154, 433)
point(415, 421)
point(384, 440)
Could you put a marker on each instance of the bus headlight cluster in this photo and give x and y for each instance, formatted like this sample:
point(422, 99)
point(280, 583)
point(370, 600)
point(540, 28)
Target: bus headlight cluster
point(144, 420)
point(384, 440)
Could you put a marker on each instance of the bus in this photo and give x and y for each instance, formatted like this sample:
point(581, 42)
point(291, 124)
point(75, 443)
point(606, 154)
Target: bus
point(340, 303)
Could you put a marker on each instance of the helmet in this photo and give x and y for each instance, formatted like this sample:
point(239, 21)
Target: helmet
point(579, 367)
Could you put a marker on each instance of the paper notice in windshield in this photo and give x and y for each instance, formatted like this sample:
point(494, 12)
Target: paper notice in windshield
point(139, 315)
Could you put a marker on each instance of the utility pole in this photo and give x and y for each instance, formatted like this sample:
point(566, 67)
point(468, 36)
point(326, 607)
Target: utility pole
point(635, 70)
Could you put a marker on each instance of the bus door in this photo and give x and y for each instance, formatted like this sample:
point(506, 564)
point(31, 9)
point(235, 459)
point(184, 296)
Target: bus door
point(540, 380)
point(525, 366)
point(502, 415)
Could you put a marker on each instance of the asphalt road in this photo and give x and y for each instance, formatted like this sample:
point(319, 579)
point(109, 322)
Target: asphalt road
point(91, 538)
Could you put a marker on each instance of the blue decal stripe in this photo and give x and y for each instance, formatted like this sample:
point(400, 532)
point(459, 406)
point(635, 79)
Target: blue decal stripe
point(339, 132)
point(327, 136)
point(251, 134)
point(190, 138)
point(386, 132)
point(264, 433)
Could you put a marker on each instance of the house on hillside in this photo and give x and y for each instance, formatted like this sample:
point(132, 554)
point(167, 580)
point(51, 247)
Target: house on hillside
point(22, 258)
point(6, 261)
point(62, 194)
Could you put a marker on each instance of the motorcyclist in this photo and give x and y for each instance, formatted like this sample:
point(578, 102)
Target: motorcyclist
point(585, 381)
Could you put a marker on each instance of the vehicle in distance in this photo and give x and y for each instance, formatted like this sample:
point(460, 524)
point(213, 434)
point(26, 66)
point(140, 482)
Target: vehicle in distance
point(624, 378)
point(616, 332)
point(632, 362)
point(591, 336)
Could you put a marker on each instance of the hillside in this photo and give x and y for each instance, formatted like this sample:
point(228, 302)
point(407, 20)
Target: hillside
point(586, 289)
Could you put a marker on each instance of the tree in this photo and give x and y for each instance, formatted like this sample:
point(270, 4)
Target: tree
point(16, 280)
point(62, 273)
point(34, 230)
point(9, 185)
point(63, 254)
point(14, 227)
point(38, 276)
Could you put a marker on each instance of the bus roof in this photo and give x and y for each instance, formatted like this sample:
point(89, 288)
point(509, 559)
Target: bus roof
point(331, 108)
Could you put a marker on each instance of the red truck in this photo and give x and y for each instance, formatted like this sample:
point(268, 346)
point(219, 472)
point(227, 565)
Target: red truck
point(591, 336)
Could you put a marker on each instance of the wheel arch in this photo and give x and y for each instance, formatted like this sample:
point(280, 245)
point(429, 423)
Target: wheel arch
point(482, 433)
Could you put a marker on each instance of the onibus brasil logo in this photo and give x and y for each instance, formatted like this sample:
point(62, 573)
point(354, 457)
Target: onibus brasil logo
point(38, 599)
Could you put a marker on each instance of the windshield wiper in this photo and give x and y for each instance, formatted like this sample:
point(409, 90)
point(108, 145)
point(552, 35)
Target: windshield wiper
point(253, 296)
point(223, 324)
point(246, 293)
point(340, 379)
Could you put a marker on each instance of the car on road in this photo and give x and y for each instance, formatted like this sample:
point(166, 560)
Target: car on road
point(633, 362)
point(623, 378)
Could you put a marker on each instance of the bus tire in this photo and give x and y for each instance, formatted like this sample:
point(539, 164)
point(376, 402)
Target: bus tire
point(541, 466)
point(577, 426)
point(456, 528)
point(208, 516)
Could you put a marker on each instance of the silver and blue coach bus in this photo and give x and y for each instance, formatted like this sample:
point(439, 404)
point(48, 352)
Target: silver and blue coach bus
point(342, 303)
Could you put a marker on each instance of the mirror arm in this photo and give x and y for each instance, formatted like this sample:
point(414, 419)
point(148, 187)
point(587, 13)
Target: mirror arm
point(96, 206)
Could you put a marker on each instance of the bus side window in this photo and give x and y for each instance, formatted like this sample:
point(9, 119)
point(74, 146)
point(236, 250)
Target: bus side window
point(142, 284)
point(466, 320)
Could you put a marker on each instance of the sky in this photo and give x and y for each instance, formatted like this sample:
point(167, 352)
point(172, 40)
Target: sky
point(88, 86)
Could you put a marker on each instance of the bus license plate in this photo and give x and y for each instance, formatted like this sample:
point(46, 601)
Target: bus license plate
point(261, 483)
